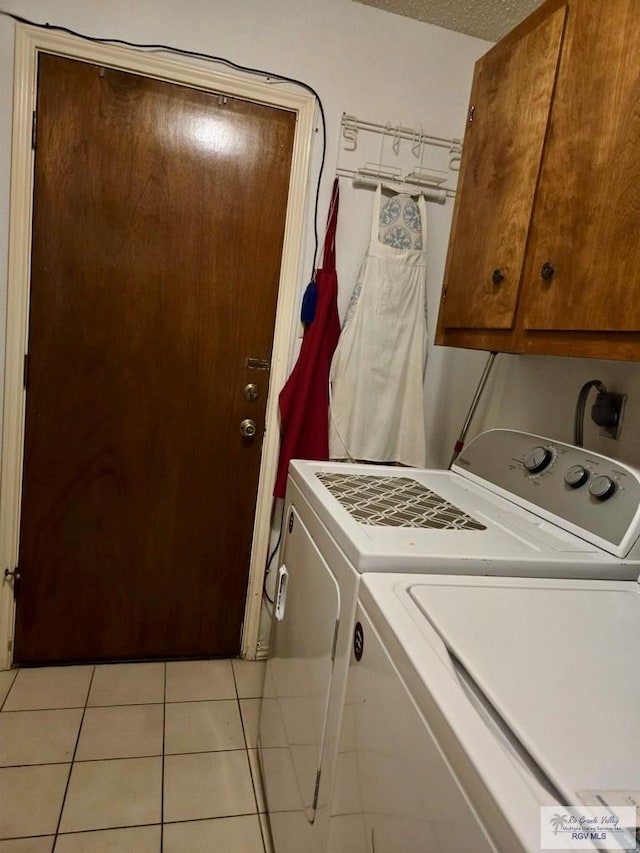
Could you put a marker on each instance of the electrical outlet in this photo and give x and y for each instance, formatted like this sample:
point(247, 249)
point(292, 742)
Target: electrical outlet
point(618, 403)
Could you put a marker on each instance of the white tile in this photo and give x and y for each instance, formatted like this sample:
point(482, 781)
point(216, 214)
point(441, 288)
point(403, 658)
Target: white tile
point(254, 764)
point(38, 737)
point(127, 684)
point(249, 675)
point(206, 785)
point(250, 709)
point(49, 687)
point(202, 726)
point(109, 794)
point(189, 681)
point(31, 799)
point(228, 834)
point(136, 839)
point(42, 844)
point(6, 680)
point(124, 731)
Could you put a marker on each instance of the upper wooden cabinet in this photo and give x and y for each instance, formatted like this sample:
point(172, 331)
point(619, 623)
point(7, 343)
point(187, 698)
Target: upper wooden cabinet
point(544, 253)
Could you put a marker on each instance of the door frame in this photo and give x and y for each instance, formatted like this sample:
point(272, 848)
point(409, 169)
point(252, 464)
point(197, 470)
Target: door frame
point(29, 42)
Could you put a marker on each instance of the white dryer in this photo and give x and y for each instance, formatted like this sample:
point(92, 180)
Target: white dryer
point(514, 505)
point(474, 702)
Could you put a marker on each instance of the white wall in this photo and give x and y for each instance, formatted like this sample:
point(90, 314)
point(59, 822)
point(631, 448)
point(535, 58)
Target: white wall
point(362, 61)
point(539, 393)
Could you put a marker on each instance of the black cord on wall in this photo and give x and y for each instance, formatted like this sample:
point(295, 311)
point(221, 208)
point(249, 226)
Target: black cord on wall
point(578, 419)
point(221, 60)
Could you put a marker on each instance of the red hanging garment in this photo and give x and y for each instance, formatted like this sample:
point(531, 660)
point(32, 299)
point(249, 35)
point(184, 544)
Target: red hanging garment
point(304, 399)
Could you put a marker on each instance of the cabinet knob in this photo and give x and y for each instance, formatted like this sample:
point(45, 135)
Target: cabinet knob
point(497, 277)
point(547, 272)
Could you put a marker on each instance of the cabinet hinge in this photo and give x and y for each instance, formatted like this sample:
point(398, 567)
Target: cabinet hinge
point(25, 370)
point(335, 641)
point(316, 790)
point(34, 128)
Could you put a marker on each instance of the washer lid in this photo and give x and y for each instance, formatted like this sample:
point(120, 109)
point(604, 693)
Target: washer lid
point(559, 664)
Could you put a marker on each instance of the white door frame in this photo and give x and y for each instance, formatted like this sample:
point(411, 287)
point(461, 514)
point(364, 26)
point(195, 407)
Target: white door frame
point(29, 42)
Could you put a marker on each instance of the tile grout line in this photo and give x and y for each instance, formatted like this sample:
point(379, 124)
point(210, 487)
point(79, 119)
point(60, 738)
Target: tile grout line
point(164, 737)
point(126, 704)
point(122, 757)
point(73, 758)
point(13, 681)
point(254, 782)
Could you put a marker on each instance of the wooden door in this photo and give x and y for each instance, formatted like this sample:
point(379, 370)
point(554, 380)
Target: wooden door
point(587, 217)
point(503, 144)
point(158, 223)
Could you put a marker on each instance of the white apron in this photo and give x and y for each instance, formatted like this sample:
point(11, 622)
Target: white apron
point(377, 372)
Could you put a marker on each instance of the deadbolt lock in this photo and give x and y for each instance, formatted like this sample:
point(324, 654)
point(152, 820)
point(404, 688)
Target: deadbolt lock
point(247, 428)
point(251, 391)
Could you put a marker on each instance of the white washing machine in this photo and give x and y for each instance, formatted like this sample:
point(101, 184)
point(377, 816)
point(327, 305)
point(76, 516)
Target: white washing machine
point(513, 505)
point(473, 702)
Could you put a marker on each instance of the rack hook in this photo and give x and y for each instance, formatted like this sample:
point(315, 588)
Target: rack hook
point(350, 132)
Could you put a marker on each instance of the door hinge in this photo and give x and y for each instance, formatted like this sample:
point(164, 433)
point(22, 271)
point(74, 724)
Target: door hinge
point(15, 576)
point(335, 641)
point(316, 790)
point(34, 129)
point(472, 113)
point(25, 370)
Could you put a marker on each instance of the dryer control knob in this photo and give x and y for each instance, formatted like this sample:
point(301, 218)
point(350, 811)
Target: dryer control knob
point(576, 476)
point(602, 488)
point(537, 459)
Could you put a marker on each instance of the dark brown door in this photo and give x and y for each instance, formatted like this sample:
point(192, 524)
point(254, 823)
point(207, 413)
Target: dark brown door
point(159, 217)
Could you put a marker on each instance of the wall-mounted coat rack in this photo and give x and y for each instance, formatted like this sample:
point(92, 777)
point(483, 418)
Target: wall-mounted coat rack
point(414, 178)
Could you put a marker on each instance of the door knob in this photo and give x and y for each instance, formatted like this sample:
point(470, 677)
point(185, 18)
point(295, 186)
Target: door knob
point(497, 277)
point(247, 428)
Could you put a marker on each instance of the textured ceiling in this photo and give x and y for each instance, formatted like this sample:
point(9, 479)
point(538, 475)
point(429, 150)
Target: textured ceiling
point(485, 19)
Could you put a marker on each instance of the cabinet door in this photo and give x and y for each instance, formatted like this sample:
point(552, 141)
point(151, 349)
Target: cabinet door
point(586, 223)
point(510, 103)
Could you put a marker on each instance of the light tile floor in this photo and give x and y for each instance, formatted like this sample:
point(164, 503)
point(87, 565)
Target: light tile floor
point(131, 758)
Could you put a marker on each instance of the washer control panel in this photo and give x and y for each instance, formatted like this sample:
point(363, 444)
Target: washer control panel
point(595, 493)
